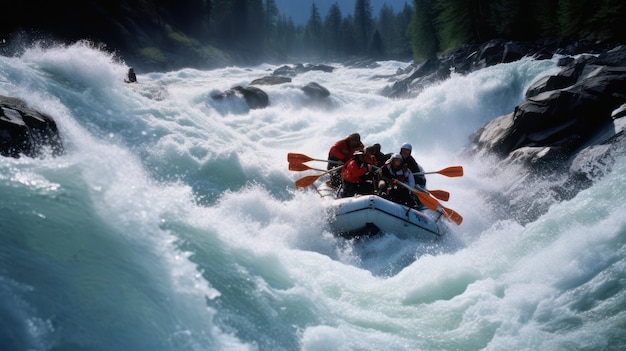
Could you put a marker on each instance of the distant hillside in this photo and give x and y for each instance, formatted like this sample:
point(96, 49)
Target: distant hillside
point(149, 33)
point(300, 12)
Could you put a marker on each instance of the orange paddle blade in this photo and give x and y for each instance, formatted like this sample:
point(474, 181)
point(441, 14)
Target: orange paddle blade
point(298, 167)
point(452, 215)
point(427, 200)
point(306, 181)
point(298, 158)
point(452, 171)
point(440, 194)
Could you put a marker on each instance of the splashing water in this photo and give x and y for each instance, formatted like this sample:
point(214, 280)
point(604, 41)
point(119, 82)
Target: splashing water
point(172, 222)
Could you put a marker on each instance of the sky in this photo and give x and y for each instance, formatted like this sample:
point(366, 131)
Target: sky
point(300, 10)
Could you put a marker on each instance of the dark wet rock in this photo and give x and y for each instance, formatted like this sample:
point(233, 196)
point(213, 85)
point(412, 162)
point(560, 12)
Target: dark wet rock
point(286, 71)
point(564, 61)
point(292, 71)
point(468, 58)
point(316, 91)
point(566, 134)
point(271, 80)
point(255, 97)
point(361, 62)
point(24, 131)
point(420, 76)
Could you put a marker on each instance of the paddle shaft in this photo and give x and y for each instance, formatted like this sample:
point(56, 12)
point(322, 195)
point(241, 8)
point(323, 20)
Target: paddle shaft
point(432, 203)
point(301, 158)
point(309, 180)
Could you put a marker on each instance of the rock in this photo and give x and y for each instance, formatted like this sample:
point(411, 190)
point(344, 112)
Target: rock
point(316, 91)
point(468, 58)
point(255, 97)
point(558, 113)
point(300, 68)
point(549, 83)
point(493, 135)
point(271, 80)
point(567, 133)
point(361, 62)
point(422, 74)
point(285, 71)
point(564, 61)
point(24, 131)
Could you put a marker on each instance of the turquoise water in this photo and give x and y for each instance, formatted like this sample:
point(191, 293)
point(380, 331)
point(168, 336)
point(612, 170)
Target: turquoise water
point(172, 222)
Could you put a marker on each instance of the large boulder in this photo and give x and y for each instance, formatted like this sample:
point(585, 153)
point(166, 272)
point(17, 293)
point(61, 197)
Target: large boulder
point(24, 131)
point(271, 80)
point(568, 131)
point(315, 91)
point(469, 58)
point(255, 97)
point(563, 111)
point(292, 71)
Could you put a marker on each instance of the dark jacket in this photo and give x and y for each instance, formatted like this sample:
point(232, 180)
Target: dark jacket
point(420, 179)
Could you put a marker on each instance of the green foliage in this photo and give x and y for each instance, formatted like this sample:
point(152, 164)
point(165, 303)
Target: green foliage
point(363, 24)
point(422, 31)
point(333, 30)
point(314, 32)
point(441, 25)
point(153, 54)
point(608, 22)
point(179, 37)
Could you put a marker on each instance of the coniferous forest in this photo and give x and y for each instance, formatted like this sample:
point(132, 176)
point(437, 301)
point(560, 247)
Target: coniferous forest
point(166, 34)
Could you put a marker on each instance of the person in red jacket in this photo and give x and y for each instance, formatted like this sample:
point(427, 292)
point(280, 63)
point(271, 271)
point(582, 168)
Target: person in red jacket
point(357, 176)
point(340, 153)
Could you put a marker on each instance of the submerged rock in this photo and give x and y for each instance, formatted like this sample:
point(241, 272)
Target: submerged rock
point(24, 131)
point(315, 91)
point(271, 80)
point(255, 97)
point(300, 68)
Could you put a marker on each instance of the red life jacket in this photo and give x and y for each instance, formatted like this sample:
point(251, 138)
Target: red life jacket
point(352, 172)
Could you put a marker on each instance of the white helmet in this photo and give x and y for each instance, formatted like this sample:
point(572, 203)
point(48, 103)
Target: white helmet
point(396, 156)
point(406, 146)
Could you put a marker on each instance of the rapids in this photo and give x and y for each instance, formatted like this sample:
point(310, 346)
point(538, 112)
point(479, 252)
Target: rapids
point(172, 221)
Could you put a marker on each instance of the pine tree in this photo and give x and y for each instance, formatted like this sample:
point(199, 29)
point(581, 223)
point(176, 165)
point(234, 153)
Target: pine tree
point(363, 24)
point(386, 27)
point(271, 19)
point(332, 29)
point(376, 46)
point(313, 31)
point(422, 31)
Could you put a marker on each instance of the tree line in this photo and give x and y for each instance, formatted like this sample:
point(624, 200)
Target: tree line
point(422, 29)
point(438, 26)
point(198, 31)
point(258, 26)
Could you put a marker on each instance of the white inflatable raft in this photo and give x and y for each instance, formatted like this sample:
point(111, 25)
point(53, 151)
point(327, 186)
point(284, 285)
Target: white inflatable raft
point(362, 215)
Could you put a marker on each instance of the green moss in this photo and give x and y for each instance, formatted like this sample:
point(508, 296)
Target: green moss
point(153, 53)
point(180, 37)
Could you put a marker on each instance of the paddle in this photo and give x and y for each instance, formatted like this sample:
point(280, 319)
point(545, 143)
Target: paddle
point(309, 180)
point(299, 167)
point(440, 194)
point(452, 171)
point(431, 202)
point(302, 158)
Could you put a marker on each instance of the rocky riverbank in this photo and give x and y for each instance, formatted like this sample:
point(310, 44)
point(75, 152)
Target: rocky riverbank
point(565, 135)
point(24, 131)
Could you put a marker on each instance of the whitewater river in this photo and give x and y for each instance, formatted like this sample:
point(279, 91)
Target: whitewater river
point(172, 221)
